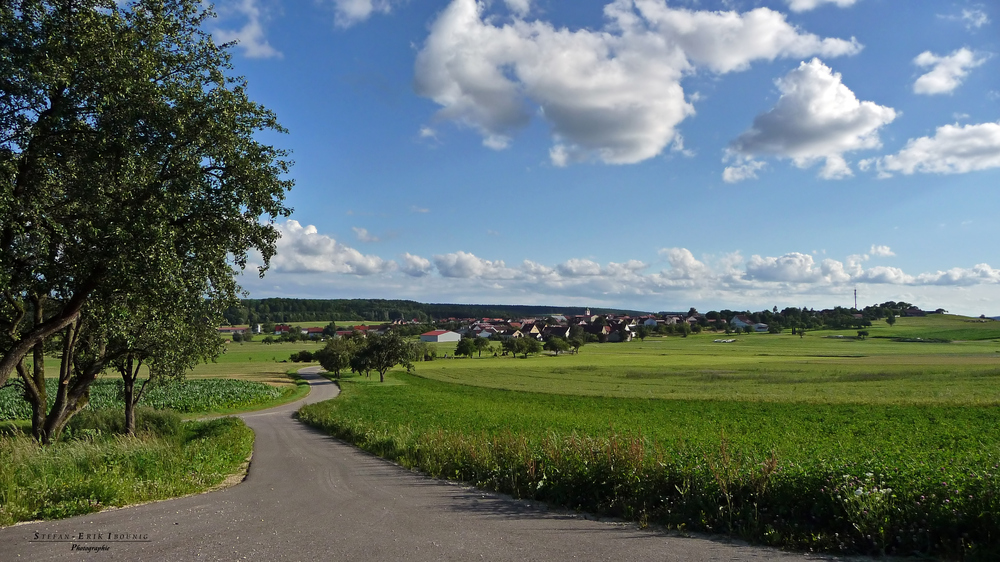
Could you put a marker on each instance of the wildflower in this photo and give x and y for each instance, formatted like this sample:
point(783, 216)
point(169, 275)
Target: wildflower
point(859, 491)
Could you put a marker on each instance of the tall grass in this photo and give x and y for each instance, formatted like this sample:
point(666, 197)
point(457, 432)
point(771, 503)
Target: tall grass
point(841, 478)
point(96, 469)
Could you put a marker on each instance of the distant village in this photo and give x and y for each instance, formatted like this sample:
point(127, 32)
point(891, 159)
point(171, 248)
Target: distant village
point(602, 328)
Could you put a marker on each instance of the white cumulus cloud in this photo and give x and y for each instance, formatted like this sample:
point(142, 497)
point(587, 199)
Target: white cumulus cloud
point(416, 266)
point(683, 264)
point(612, 94)
point(250, 38)
point(745, 168)
point(303, 249)
point(579, 268)
point(466, 265)
point(817, 118)
point(953, 149)
point(946, 72)
point(881, 251)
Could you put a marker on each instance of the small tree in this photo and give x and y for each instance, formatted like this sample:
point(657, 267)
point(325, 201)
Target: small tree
point(466, 347)
point(891, 319)
point(336, 355)
point(384, 352)
point(529, 345)
point(576, 344)
point(642, 332)
point(556, 345)
point(481, 344)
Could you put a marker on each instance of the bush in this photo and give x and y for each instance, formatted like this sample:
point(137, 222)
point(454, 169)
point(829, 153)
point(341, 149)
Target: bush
point(163, 423)
point(303, 356)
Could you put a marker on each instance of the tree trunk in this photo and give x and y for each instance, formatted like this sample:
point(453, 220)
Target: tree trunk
point(16, 353)
point(130, 401)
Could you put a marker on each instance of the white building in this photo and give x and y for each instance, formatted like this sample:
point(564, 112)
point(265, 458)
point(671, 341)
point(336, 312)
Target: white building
point(438, 336)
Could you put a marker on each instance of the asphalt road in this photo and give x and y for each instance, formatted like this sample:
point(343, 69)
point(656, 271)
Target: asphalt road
point(311, 497)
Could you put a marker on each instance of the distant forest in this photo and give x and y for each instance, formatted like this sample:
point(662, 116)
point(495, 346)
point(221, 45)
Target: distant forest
point(252, 311)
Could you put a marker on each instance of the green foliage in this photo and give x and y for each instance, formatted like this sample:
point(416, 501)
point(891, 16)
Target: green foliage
point(304, 356)
point(465, 347)
point(202, 395)
point(382, 310)
point(336, 355)
point(481, 345)
point(556, 345)
point(382, 352)
point(131, 185)
point(96, 469)
point(165, 423)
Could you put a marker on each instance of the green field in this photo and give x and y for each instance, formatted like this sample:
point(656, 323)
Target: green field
point(783, 440)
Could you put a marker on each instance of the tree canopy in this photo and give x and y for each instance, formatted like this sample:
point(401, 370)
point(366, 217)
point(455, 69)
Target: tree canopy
point(129, 170)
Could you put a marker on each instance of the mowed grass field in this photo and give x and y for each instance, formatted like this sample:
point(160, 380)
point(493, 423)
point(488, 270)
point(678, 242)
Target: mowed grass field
point(824, 442)
point(253, 361)
point(818, 368)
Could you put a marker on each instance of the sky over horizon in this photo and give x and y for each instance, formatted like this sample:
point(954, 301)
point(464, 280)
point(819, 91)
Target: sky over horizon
point(642, 154)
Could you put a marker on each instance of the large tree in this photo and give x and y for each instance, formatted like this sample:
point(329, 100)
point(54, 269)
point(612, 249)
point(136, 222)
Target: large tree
point(128, 167)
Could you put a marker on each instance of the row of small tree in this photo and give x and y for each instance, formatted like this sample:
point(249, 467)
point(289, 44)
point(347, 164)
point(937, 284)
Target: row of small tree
point(362, 355)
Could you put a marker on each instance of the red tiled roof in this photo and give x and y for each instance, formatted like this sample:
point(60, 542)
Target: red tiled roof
point(435, 333)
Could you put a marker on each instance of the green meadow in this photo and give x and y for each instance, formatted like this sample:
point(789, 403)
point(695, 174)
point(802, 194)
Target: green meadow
point(94, 467)
point(826, 442)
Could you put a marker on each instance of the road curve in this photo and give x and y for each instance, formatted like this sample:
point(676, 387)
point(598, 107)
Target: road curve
point(311, 497)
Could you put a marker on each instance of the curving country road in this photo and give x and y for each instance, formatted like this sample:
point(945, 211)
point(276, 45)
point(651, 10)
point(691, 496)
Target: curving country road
point(311, 497)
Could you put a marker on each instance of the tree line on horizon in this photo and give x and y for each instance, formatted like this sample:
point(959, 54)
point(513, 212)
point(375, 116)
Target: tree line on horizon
point(278, 310)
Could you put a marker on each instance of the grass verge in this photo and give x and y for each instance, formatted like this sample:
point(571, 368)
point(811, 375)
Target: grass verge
point(868, 478)
point(96, 469)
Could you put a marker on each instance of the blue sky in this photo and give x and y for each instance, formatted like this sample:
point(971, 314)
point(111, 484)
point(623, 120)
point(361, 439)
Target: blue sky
point(644, 154)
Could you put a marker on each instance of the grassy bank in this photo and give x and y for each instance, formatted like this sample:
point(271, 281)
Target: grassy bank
point(869, 478)
point(95, 469)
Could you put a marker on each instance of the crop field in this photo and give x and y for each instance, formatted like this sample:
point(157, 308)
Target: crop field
point(186, 397)
point(820, 442)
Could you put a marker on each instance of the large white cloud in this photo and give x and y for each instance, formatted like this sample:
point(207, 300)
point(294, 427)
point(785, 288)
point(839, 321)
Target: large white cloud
point(817, 118)
point(953, 149)
point(946, 72)
point(302, 249)
point(614, 94)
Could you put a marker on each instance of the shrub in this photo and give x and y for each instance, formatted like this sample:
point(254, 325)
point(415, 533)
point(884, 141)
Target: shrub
point(163, 423)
